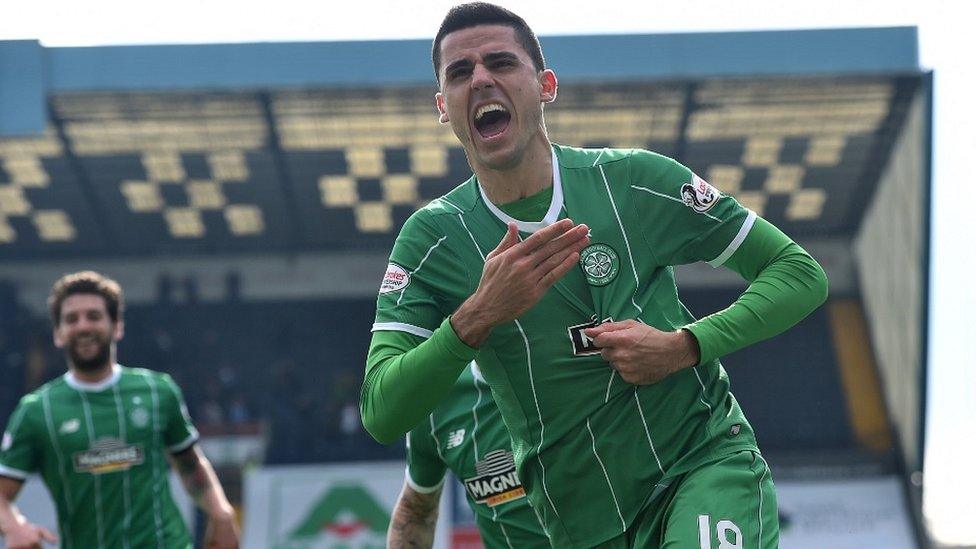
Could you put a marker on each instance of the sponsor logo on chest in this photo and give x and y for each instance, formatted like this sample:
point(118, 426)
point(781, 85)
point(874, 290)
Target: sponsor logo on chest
point(496, 481)
point(582, 344)
point(108, 455)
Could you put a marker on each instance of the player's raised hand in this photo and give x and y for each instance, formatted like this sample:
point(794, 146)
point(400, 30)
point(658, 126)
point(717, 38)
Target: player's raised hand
point(28, 536)
point(516, 275)
point(642, 354)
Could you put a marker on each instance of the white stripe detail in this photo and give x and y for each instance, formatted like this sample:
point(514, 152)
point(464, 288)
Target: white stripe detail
point(502, 525)
point(158, 518)
point(542, 424)
point(474, 413)
point(647, 431)
point(13, 473)
point(623, 523)
point(184, 444)
point(421, 264)
point(433, 435)
point(598, 157)
point(672, 199)
point(702, 383)
point(98, 479)
point(423, 489)
point(552, 214)
point(49, 420)
point(126, 497)
point(630, 255)
point(609, 384)
point(761, 498)
point(736, 242)
point(401, 327)
point(538, 517)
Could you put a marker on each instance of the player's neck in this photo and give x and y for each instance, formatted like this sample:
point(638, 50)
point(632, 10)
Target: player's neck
point(93, 376)
point(532, 174)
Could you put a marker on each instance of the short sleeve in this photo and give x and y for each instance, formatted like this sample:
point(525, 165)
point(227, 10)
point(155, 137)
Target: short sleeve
point(684, 218)
point(19, 446)
point(421, 276)
point(425, 469)
point(180, 433)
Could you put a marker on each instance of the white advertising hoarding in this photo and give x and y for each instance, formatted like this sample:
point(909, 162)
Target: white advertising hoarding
point(854, 513)
point(326, 506)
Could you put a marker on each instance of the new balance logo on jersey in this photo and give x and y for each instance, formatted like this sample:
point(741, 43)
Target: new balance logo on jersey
point(582, 344)
point(496, 482)
point(699, 195)
point(455, 438)
point(70, 426)
point(107, 455)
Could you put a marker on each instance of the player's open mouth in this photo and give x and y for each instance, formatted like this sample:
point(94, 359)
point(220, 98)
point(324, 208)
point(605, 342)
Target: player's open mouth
point(491, 120)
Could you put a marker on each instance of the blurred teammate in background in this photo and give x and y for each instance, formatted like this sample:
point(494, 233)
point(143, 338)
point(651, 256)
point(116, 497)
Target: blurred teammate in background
point(553, 266)
point(100, 436)
point(465, 435)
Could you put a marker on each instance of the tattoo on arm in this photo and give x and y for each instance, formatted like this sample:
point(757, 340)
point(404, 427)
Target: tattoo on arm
point(414, 520)
point(195, 477)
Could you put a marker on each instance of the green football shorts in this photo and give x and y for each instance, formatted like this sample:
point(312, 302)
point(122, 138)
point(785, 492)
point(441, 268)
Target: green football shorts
point(727, 504)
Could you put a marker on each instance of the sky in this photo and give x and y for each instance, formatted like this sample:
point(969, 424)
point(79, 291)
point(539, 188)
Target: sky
point(946, 44)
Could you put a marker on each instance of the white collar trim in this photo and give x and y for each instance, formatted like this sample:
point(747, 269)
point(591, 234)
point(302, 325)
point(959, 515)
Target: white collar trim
point(552, 215)
point(87, 386)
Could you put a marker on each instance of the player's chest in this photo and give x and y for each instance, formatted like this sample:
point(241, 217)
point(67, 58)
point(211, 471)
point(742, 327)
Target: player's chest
point(100, 433)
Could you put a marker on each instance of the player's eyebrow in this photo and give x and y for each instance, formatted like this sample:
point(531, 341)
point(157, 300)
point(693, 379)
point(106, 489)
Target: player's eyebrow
point(488, 58)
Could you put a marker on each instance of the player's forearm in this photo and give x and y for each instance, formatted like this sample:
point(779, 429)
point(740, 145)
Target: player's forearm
point(9, 515)
point(403, 384)
point(414, 520)
point(786, 286)
point(201, 483)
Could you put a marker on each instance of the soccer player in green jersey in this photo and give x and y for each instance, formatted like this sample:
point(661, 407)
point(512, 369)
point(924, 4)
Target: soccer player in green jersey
point(465, 435)
point(552, 266)
point(100, 437)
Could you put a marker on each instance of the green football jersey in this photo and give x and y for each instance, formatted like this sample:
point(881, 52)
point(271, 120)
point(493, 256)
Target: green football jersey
point(591, 449)
point(466, 435)
point(101, 450)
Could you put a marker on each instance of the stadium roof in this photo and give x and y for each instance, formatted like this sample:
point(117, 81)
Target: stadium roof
point(329, 146)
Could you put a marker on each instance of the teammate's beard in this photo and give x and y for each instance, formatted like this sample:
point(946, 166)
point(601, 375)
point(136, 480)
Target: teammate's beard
point(94, 363)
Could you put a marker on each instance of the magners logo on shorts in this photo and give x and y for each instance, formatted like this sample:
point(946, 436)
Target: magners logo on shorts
point(496, 482)
point(108, 455)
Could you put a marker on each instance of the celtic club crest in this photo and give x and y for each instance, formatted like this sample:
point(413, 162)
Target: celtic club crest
point(600, 264)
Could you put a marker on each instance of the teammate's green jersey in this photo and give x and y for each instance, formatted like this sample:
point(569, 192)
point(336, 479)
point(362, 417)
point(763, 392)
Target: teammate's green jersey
point(466, 435)
point(590, 448)
point(101, 450)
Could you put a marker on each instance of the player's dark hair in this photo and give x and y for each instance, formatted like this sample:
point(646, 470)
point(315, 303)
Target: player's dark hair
point(85, 282)
point(482, 13)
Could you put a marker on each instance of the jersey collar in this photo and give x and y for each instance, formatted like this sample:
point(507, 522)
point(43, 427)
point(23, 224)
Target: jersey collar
point(552, 215)
point(80, 385)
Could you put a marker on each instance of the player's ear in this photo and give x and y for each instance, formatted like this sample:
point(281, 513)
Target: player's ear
point(441, 108)
point(58, 340)
point(119, 330)
point(549, 85)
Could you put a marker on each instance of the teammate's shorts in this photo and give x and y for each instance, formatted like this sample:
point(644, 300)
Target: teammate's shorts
point(726, 504)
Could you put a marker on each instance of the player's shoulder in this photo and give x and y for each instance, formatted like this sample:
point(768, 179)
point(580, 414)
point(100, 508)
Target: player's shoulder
point(577, 157)
point(429, 222)
point(146, 375)
point(462, 198)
